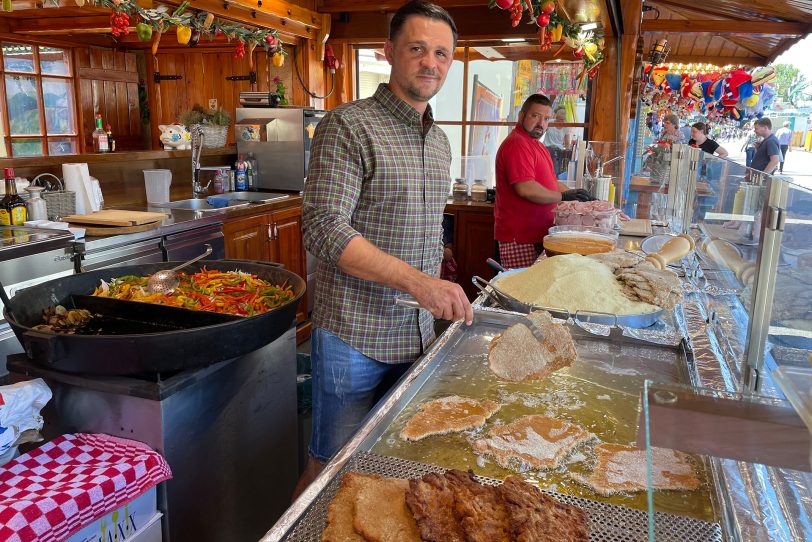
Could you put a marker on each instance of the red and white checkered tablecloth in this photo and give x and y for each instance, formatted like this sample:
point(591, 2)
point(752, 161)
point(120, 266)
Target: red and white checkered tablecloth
point(51, 492)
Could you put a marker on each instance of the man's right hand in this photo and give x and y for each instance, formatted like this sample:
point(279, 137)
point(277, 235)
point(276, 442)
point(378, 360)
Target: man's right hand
point(577, 194)
point(445, 300)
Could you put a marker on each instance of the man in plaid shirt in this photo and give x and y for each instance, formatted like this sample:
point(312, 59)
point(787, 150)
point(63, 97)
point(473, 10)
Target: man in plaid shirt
point(377, 185)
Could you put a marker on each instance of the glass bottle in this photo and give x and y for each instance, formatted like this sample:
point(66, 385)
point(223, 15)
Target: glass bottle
point(12, 206)
point(111, 141)
point(37, 208)
point(100, 143)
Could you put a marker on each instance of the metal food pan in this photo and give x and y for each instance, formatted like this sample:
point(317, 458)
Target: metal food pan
point(506, 301)
point(605, 522)
point(451, 356)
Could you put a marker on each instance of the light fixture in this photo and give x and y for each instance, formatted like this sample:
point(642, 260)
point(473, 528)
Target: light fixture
point(589, 26)
point(513, 40)
point(659, 51)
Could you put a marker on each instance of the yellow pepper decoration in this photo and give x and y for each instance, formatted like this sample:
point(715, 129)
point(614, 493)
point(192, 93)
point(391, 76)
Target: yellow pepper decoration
point(184, 34)
point(557, 33)
point(278, 59)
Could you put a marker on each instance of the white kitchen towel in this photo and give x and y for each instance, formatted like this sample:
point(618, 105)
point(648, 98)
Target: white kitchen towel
point(77, 179)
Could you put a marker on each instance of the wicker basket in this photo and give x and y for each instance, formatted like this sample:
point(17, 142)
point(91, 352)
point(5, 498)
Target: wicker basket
point(214, 137)
point(60, 202)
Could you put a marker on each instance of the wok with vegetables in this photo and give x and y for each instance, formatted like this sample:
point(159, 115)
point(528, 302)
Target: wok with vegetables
point(206, 337)
point(229, 292)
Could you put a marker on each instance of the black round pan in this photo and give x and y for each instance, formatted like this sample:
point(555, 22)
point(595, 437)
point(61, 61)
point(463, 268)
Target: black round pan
point(172, 350)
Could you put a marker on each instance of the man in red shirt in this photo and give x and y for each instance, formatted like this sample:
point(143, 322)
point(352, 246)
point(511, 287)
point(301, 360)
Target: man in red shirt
point(527, 190)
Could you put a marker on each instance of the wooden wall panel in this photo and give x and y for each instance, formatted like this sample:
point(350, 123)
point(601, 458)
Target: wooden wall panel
point(112, 92)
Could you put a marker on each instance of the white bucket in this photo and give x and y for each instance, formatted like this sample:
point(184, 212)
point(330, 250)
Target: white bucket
point(157, 182)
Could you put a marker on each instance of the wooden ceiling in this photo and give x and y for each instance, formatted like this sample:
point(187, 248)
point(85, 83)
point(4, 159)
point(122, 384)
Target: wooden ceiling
point(750, 32)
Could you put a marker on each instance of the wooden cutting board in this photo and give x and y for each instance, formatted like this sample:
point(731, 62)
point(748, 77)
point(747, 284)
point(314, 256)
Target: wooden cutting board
point(103, 231)
point(636, 227)
point(115, 217)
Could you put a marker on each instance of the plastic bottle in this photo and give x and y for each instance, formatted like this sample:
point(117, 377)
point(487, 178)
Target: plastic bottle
point(240, 175)
point(254, 168)
point(249, 174)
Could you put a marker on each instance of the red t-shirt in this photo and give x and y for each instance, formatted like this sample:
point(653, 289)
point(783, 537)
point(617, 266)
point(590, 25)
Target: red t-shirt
point(521, 158)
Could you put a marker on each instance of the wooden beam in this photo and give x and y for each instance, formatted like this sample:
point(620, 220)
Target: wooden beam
point(718, 60)
point(53, 26)
point(83, 41)
point(710, 26)
point(108, 75)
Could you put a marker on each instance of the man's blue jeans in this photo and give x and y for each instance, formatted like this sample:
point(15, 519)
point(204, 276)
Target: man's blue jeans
point(346, 385)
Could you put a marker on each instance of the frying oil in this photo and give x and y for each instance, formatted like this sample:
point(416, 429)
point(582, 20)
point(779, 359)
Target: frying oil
point(601, 392)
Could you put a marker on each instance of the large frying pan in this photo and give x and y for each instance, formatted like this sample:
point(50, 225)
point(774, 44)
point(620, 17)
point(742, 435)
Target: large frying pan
point(491, 289)
point(146, 352)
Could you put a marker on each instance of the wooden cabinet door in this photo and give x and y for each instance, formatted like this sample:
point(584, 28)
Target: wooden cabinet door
point(247, 238)
point(286, 244)
point(473, 244)
point(287, 248)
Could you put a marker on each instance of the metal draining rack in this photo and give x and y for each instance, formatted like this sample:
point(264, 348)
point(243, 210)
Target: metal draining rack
point(606, 522)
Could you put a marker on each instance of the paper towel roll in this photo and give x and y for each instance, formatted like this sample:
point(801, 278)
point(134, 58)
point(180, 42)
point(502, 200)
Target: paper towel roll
point(77, 179)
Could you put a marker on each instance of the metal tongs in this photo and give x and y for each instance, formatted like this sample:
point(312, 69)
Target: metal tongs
point(411, 302)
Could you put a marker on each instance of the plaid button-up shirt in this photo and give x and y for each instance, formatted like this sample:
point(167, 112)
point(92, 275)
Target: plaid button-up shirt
point(379, 170)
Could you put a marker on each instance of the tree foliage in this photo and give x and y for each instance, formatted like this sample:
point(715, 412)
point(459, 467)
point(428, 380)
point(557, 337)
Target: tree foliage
point(792, 84)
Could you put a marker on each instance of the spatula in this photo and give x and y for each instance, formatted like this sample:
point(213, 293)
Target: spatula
point(411, 302)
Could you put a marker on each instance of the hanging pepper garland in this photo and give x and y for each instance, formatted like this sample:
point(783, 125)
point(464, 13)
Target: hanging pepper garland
point(554, 28)
point(190, 27)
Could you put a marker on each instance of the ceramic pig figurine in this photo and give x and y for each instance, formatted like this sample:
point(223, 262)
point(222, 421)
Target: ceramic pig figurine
point(175, 137)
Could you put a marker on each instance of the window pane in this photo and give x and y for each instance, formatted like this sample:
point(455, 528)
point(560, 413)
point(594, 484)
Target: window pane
point(490, 87)
point(21, 98)
point(57, 95)
point(26, 147)
point(62, 145)
point(18, 58)
point(373, 69)
point(454, 134)
point(53, 61)
point(447, 105)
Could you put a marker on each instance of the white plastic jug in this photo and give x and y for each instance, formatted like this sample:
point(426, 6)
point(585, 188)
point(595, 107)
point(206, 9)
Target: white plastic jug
point(157, 182)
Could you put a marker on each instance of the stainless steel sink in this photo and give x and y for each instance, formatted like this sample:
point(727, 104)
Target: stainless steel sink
point(196, 204)
point(256, 197)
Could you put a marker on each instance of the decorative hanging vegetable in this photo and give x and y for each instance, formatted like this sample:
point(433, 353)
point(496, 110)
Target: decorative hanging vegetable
point(144, 31)
point(184, 34)
point(278, 59)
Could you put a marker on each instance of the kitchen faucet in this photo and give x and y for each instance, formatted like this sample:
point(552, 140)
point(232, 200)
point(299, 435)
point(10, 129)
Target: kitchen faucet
point(197, 148)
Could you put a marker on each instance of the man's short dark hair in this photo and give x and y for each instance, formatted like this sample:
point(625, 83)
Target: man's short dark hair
point(540, 99)
point(763, 121)
point(424, 9)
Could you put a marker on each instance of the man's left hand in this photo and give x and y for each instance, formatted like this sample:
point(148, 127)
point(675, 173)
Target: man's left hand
point(577, 194)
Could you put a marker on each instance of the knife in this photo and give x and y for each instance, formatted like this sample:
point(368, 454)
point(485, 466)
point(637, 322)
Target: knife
point(411, 302)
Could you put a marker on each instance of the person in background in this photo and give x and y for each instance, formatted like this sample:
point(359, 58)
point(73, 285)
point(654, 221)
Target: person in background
point(685, 131)
point(768, 152)
point(526, 187)
point(671, 129)
point(700, 140)
point(372, 213)
point(749, 146)
point(784, 136)
point(558, 140)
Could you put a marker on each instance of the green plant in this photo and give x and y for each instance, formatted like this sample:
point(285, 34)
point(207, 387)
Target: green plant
point(280, 90)
point(218, 117)
point(198, 115)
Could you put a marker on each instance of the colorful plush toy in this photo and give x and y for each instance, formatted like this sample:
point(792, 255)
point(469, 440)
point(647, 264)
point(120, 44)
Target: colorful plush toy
point(175, 137)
